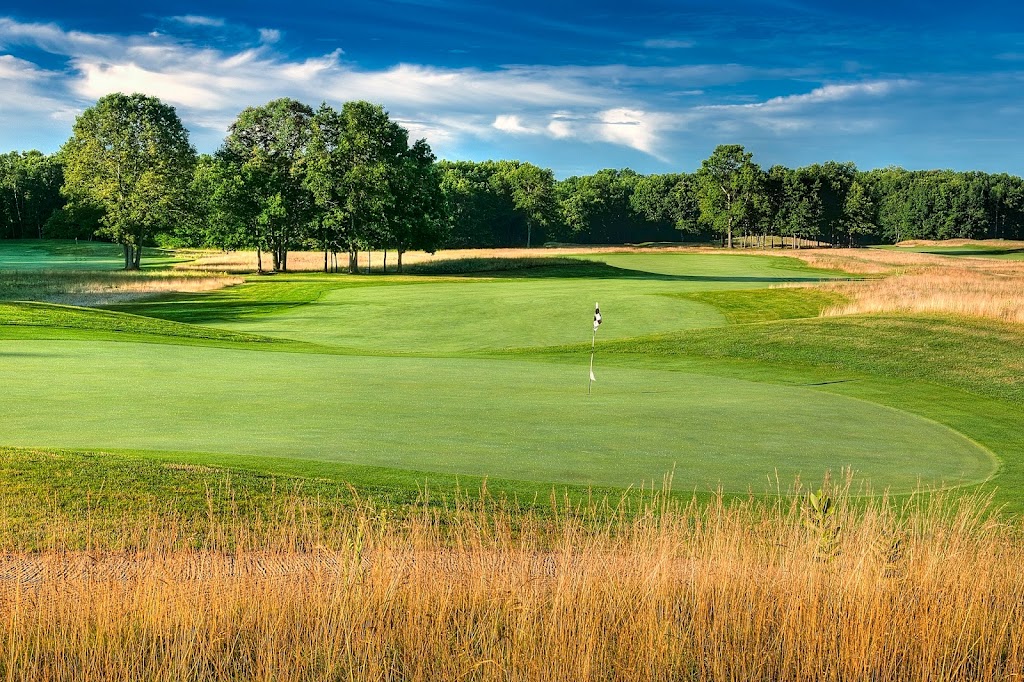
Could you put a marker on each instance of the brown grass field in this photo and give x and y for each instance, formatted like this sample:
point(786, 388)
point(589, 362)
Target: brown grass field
point(909, 282)
point(929, 589)
point(105, 287)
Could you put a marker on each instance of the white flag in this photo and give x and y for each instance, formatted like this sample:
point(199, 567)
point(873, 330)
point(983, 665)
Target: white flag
point(592, 376)
point(597, 316)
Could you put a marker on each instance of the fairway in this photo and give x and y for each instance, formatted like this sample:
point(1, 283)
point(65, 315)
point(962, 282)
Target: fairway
point(38, 254)
point(480, 376)
point(510, 419)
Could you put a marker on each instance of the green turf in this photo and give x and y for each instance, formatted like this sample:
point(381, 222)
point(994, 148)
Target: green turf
point(494, 417)
point(50, 254)
point(428, 315)
point(494, 382)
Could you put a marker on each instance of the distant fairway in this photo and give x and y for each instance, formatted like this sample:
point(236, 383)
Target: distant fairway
point(486, 376)
point(34, 254)
point(510, 419)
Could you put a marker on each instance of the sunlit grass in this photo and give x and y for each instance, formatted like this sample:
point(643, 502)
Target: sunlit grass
point(660, 590)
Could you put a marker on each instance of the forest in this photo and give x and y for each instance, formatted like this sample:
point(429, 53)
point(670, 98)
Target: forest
point(290, 177)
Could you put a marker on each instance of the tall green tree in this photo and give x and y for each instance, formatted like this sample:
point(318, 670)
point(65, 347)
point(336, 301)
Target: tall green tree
point(858, 214)
point(356, 161)
point(421, 217)
point(730, 190)
point(533, 195)
point(130, 156)
point(266, 148)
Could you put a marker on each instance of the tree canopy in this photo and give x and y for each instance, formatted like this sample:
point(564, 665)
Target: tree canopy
point(130, 158)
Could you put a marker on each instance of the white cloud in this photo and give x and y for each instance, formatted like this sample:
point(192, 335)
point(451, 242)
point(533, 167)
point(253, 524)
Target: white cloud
point(198, 20)
point(560, 129)
point(822, 95)
point(269, 36)
point(510, 123)
point(641, 130)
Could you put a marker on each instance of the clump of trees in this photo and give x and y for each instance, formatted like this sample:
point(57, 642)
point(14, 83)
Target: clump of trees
point(344, 180)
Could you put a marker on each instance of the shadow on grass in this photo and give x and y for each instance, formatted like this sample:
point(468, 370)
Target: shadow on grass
point(568, 268)
point(196, 310)
point(975, 252)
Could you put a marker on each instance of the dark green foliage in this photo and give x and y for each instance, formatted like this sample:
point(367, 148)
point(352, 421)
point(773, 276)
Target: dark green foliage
point(30, 185)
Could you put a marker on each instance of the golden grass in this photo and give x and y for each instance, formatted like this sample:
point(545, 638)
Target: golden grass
point(950, 290)
point(103, 288)
point(912, 282)
point(754, 590)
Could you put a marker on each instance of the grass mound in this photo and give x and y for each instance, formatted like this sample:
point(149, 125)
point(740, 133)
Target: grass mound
point(766, 305)
point(29, 319)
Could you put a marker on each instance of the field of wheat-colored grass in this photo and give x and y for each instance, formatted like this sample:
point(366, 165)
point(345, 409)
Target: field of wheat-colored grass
point(910, 282)
point(93, 288)
point(752, 590)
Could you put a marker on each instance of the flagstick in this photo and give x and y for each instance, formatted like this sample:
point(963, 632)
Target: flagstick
point(593, 341)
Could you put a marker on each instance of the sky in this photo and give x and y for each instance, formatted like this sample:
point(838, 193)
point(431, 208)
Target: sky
point(652, 85)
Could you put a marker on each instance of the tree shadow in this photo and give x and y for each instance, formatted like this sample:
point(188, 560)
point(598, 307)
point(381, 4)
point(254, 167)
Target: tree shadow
point(571, 268)
point(975, 252)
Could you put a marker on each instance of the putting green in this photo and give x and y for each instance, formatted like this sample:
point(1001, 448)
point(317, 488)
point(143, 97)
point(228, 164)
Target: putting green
point(426, 315)
point(512, 419)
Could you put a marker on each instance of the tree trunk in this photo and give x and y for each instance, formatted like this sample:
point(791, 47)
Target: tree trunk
point(128, 256)
point(399, 261)
point(259, 261)
point(137, 264)
point(385, 261)
point(353, 262)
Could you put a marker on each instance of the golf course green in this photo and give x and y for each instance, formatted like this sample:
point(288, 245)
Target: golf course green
point(487, 376)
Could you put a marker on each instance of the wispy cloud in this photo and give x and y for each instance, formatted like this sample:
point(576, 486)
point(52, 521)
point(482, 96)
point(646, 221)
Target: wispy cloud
point(199, 20)
point(623, 111)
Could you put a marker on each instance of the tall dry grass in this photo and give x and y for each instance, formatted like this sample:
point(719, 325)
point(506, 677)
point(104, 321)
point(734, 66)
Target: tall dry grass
point(103, 288)
point(908, 282)
point(931, 589)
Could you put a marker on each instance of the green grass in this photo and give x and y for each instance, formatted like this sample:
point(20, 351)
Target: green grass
point(767, 305)
point(48, 318)
point(51, 254)
point(426, 315)
point(703, 369)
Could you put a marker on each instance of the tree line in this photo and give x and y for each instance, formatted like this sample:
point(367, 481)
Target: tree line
point(289, 177)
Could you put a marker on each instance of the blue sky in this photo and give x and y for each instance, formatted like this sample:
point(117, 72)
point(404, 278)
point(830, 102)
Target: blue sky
point(573, 86)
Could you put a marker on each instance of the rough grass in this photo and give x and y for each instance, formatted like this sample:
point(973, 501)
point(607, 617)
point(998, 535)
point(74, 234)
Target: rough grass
point(954, 290)
point(97, 288)
point(749, 590)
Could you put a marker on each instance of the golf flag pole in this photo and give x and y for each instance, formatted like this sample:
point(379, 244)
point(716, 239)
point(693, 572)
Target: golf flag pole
point(593, 343)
